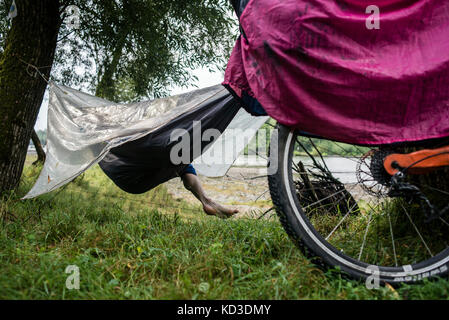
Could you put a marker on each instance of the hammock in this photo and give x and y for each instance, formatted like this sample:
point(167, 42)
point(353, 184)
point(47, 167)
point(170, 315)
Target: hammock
point(132, 142)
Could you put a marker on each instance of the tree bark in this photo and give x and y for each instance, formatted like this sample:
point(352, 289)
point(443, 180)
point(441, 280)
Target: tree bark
point(38, 145)
point(31, 39)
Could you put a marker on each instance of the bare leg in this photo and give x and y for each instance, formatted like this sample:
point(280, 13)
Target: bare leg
point(193, 184)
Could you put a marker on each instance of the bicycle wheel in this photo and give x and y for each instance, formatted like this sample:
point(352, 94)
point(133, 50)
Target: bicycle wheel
point(334, 200)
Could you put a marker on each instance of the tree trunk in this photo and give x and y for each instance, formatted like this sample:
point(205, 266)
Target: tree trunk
point(40, 151)
point(31, 39)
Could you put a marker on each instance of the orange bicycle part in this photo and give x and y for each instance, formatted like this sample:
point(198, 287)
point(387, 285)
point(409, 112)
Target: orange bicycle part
point(418, 162)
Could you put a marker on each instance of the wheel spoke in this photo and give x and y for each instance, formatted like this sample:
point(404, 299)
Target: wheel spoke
point(365, 235)
point(444, 221)
point(392, 238)
point(417, 231)
point(435, 189)
point(341, 221)
point(328, 197)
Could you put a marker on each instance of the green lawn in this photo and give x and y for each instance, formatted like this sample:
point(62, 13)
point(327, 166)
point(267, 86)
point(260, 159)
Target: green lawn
point(153, 247)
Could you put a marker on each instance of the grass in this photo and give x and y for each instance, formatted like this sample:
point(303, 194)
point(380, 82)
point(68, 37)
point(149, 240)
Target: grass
point(153, 247)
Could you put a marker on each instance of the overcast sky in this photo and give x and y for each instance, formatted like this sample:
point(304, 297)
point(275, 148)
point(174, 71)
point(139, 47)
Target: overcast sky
point(205, 79)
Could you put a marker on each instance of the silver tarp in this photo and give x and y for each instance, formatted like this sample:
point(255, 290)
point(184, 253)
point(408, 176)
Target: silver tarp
point(83, 128)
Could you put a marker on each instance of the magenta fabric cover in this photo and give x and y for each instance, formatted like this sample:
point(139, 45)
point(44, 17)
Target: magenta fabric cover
point(314, 65)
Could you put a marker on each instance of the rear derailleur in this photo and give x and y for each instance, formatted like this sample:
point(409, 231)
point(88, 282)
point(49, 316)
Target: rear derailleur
point(412, 194)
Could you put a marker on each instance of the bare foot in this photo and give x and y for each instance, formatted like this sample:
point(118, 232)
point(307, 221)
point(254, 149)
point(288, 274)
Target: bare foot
point(214, 209)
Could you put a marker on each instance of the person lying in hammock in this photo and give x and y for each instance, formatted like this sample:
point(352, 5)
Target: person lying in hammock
point(140, 165)
point(210, 207)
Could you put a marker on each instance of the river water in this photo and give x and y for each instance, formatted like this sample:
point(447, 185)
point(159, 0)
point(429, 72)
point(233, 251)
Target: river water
point(342, 168)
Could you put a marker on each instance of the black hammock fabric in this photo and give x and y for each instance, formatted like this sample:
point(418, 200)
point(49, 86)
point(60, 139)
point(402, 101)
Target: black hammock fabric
point(140, 165)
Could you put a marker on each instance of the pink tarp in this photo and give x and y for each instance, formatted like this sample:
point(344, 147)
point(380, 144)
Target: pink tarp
point(314, 65)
